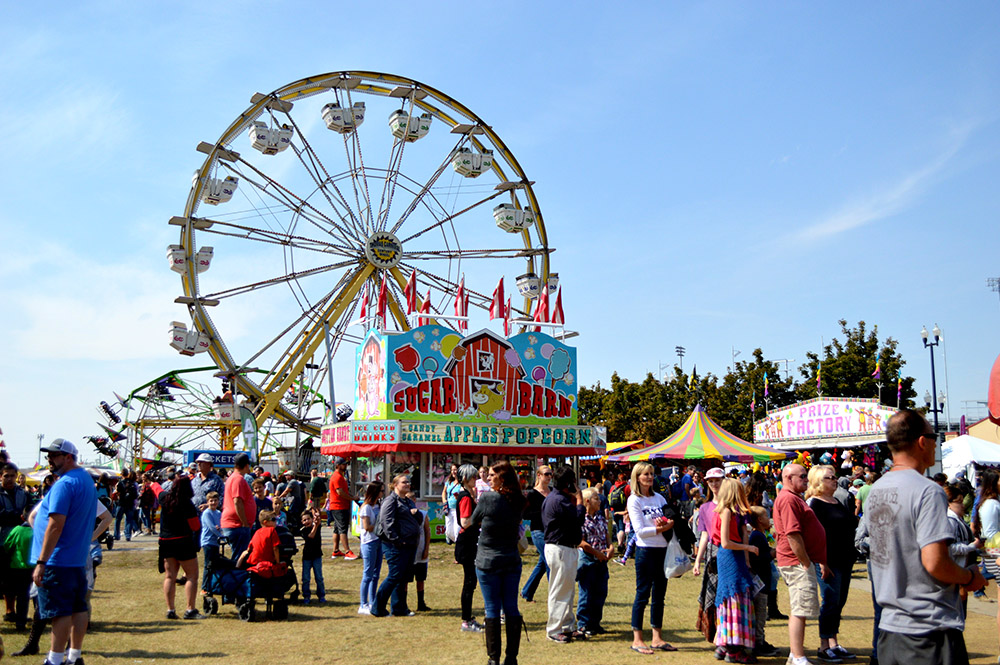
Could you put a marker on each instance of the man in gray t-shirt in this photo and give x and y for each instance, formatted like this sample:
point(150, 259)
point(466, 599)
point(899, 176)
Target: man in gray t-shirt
point(914, 579)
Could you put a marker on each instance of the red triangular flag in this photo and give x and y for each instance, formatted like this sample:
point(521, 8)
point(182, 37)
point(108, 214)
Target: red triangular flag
point(411, 293)
point(542, 308)
point(465, 309)
point(506, 319)
point(557, 310)
point(364, 304)
point(461, 302)
point(496, 306)
point(425, 308)
point(380, 313)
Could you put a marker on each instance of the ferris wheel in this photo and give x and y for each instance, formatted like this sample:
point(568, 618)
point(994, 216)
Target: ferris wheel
point(321, 192)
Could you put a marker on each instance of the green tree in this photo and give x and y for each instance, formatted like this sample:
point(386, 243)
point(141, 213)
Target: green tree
point(743, 385)
point(848, 366)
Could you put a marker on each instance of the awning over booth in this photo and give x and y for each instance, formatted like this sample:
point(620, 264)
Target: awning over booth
point(960, 452)
point(700, 437)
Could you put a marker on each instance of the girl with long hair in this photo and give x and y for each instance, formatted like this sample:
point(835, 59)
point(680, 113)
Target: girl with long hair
point(646, 513)
point(178, 522)
point(371, 547)
point(498, 562)
point(734, 635)
point(466, 544)
point(451, 485)
point(704, 560)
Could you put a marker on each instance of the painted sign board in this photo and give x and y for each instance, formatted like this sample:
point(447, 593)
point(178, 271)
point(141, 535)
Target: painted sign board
point(833, 418)
point(431, 373)
point(222, 459)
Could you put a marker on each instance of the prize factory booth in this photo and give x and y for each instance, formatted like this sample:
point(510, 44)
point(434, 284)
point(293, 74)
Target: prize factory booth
point(428, 398)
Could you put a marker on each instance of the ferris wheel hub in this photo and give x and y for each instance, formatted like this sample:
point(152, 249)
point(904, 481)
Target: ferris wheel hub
point(383, 250)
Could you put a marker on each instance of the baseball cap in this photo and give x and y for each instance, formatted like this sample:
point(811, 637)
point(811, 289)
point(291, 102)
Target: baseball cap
point(858, 482)
point(61, 446)
point(715, 472)
point(204, 457)
point(337, 461)
point(289, 473)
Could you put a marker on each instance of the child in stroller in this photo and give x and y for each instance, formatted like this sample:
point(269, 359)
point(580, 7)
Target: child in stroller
point(268, 560)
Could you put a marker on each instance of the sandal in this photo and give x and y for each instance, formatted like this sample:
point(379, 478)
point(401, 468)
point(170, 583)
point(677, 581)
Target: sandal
point(663, 647)
point(644, 650)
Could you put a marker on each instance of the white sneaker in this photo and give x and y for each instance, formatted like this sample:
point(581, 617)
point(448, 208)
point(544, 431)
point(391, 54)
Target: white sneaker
point(801, 660)
point(364, 609)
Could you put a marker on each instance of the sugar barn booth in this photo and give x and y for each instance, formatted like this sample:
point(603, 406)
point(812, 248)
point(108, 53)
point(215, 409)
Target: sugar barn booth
point(428, 397)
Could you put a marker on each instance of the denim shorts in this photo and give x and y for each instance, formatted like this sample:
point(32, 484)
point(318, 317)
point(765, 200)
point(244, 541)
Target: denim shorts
point(63, 591)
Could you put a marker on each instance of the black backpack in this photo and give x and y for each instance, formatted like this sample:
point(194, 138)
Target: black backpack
point(617, 498)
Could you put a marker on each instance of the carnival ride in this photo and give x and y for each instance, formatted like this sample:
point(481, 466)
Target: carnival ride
point(317, 206)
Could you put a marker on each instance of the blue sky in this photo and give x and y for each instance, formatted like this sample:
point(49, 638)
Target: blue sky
point(713, 175)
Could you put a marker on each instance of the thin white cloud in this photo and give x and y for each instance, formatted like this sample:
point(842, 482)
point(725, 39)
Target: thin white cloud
point(890, 200)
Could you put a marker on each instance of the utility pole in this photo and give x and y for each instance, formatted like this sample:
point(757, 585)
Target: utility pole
point(735, 354)
point(663, 366)
point(786, 361)
point(993, 284)
point(680, 357)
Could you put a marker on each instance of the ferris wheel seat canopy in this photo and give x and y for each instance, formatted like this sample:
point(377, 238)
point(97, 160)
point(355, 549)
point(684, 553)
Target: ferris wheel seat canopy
point(224, 410)
point(270, 140)
point(218, 190)
point(528, 285)
point(472, 164)
point(409, 128)
point(187, 342)
point(511, 219)
point(177, 258)
point(344, 120)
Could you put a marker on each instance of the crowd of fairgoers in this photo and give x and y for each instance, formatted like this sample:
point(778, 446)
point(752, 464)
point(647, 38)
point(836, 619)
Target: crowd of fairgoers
point(739, 531)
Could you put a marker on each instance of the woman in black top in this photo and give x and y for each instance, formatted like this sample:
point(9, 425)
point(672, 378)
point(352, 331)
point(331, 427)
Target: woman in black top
point(466, 543)
point(498, 562)
point(399, 524)
point(840, 524)
point(533, 513)
point(178, 522)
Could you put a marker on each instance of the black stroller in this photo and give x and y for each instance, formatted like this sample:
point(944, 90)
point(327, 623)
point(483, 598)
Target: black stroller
point(244, 587)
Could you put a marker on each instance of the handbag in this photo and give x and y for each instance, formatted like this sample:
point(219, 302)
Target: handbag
point(676, 562)
point(522, 539)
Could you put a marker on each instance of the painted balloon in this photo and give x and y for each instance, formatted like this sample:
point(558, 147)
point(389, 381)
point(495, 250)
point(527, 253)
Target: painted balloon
point(397, 387)
point(512, 358)
point(538, 374)
point(407, 358)
point(430, 366)
point(448, 343)
point(547, 350)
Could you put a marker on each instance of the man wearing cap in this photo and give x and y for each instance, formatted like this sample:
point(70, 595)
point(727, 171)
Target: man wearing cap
point(317, 491)
point(239, 509)
point(61, 544)
point(340, 508)
point(206, 481)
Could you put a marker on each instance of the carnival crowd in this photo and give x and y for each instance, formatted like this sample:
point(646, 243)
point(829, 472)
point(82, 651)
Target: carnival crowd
point(742, 532)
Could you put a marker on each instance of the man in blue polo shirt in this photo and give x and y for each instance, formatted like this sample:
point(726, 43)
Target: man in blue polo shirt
point(62, 531)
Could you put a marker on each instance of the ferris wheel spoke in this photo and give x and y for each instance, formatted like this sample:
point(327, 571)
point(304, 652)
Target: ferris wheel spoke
point(268, 236)
point(426, 188)
point(320, 175)
point(474, 254)
point(294, 202)
point(451, 217)
point(275, 281)
point(356, 160)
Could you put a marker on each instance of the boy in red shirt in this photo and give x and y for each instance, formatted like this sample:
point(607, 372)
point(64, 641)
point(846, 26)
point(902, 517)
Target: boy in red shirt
point(265, 543)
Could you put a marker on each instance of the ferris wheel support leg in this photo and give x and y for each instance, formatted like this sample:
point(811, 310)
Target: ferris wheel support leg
point(296, 361)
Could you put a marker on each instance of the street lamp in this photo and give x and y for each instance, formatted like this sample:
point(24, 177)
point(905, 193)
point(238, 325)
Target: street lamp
point(938, 406)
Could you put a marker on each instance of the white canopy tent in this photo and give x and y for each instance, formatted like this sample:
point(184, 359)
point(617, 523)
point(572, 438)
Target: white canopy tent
point(958, 453)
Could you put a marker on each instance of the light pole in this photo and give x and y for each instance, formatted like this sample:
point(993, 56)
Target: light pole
point(680, 357)
point(927, 397)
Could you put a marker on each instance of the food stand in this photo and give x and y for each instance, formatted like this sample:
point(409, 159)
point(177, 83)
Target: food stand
point(429, 397)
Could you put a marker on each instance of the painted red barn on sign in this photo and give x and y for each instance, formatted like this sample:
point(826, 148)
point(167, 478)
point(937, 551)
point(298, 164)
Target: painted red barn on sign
point(483, 376)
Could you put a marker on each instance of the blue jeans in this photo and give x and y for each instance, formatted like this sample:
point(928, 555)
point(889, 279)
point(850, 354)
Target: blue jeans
point(538, 540)
point(499, 591)
point(371, 554)
point(239, 540)
point(649, 581)
point(878, 613)
point(314, 566)
point(834, 596)
point(399, 561)
point(130, 525)
point(592, 576)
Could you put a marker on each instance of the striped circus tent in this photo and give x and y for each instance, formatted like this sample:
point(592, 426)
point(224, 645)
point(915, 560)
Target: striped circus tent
point(700, 437)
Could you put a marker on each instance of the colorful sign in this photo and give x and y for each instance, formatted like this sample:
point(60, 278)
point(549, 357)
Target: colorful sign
point(438, 435)
point(433, 373)
point(824, 417)
point(222, 459)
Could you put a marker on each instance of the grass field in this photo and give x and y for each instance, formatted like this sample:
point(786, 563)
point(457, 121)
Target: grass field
point(129, 624)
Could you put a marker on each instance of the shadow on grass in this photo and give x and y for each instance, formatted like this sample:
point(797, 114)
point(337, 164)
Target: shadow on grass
point(142, 653)
point(141, 627)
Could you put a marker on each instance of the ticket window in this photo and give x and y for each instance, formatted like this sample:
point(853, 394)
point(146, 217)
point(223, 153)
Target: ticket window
point(408, 463)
